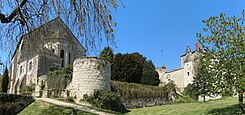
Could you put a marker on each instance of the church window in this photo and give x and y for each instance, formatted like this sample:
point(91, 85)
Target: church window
point(62, 53)
point(30, 65)
point(69, 58)
point(20, 70)
point(188, 73)
point(53, 50)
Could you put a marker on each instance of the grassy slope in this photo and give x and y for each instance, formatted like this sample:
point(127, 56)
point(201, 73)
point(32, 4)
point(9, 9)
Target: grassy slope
point(227, 105)
point(44, 108)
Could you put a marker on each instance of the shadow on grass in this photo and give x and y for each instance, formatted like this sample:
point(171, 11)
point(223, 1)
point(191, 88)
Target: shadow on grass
point(229, 110)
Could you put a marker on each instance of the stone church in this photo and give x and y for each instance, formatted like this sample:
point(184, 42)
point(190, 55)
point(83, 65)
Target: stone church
point(180, 76)
point(51, 44)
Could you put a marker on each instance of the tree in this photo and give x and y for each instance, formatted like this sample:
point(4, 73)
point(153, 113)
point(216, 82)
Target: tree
point(204, 70)
point(91, 20)
point(107, 54)
point(150, 75)
point(1, 78)
point(127, 67)
point(5, 81)
point(225, 37)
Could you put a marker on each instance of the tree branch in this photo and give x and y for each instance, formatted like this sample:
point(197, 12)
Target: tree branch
point(5, 19)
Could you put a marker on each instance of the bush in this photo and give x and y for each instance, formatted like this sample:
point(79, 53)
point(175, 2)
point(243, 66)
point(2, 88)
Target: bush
point(191, 91)
point(105, 100)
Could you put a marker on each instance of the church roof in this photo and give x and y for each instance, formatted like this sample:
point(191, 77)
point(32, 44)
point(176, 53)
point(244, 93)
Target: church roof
point(57, 24)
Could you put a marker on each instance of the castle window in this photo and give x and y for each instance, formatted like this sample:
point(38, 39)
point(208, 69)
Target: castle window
point(188, 73)
point(20, 70)
point(30, 66)
point(62, 53)
point(53, 50)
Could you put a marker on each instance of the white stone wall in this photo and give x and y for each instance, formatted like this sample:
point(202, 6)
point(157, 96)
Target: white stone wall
point(178, 77)
point(89, 74)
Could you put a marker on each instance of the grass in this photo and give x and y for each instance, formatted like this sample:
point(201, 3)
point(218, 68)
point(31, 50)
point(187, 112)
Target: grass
point(225, 106)
point(43, 108)
point(91, 107)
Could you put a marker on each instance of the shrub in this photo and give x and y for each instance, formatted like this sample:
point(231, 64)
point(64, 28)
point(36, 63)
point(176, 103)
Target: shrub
point(58, 79)
point(105, 100)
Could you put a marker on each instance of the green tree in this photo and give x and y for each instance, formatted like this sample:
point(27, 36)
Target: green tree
point(204, 70)
point(127, 67)
point(107, 54)
point(225, 37)
point(5, 81)
point(150, 75)
point(1, 78)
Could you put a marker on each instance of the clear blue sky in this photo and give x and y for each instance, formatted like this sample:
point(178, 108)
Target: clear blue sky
point(152, 26)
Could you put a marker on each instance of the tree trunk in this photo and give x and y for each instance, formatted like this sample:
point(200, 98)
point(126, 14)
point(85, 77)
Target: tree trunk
point(240, 99)
point(204, 99)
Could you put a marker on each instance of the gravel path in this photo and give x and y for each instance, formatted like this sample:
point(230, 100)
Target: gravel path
point(61, 103)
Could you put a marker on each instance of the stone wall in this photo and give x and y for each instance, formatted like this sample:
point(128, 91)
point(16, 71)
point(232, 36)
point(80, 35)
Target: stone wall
point(11, 104)
point(89, 74)
point(144, 102)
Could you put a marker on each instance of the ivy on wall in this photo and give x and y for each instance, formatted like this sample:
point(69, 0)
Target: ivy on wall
point(58, 79)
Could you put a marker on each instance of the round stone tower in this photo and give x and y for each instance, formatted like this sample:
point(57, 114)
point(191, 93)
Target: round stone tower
point(89, 74)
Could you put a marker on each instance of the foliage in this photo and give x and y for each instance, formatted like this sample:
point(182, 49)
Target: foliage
point(107, 54)
point(134, 68)
point(191, 91)
point(1, 83)
point(203, 83)
point(127, 68)
point(43, 108)
point(105, 100)
point(13, 97)
point(5, 81)
point(58, 79)
point(150, 75)
point(134, 91)
point(224, 36)
point(28, 88)
point(184, 99)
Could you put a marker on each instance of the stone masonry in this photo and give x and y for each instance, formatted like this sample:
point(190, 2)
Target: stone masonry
point(89, 74)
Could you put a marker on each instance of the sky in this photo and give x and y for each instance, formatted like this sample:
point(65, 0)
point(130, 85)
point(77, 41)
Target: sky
point(161, 29)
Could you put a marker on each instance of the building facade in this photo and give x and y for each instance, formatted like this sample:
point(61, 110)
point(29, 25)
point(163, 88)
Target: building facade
point(51, 44)
point(180, 76)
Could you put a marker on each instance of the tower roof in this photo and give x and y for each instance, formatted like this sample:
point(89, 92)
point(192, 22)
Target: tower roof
point(188, 49)
point(188, 58)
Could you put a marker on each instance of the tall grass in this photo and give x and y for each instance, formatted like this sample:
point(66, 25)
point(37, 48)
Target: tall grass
point(133, 90)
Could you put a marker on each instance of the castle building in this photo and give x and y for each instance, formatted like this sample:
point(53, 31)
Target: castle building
point(51, 44)
point(180, 76)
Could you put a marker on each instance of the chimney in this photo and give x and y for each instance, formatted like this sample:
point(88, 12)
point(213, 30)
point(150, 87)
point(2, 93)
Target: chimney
point(197, 46)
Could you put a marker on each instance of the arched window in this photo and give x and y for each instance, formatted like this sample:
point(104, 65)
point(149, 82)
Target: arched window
point(62, 53)
point(53, 50)
point(20, 70)
point(30, 66)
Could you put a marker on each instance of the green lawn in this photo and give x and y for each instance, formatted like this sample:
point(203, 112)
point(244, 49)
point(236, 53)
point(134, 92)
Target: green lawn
point(43, 108)
point(225, 106)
